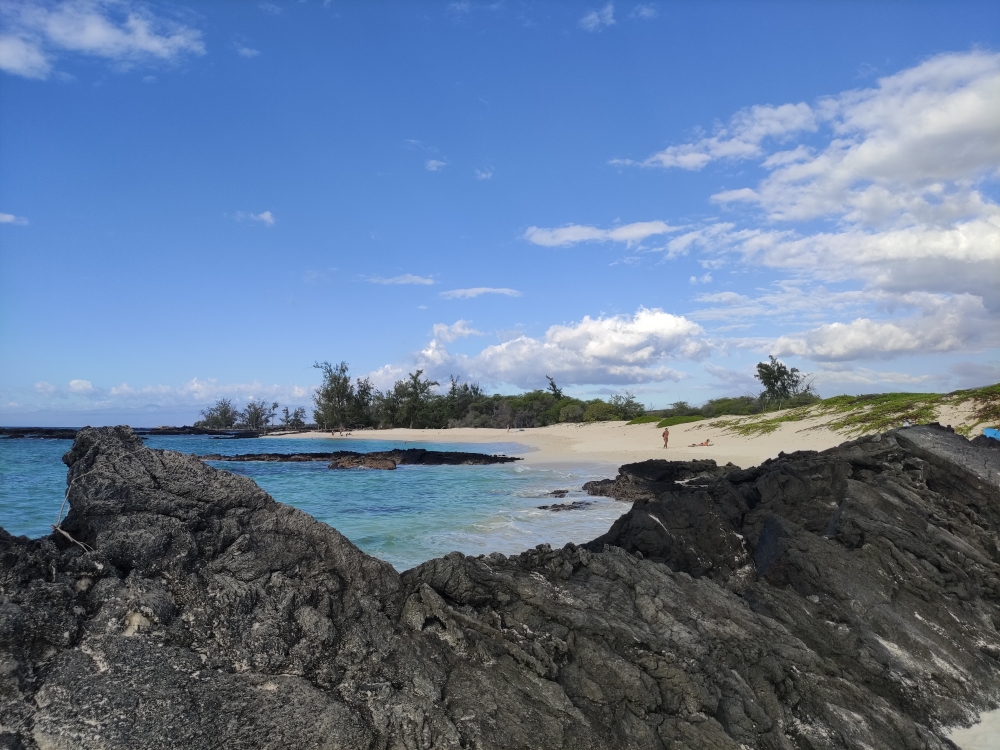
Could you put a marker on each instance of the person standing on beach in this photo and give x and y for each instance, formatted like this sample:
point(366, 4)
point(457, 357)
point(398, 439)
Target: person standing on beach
point(666, 436)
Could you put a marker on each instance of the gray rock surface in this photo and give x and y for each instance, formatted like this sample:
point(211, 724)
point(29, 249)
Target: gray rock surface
point(847, 599)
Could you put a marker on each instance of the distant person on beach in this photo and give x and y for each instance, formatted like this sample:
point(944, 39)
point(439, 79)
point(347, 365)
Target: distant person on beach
point(666, 436)
point(701, 444)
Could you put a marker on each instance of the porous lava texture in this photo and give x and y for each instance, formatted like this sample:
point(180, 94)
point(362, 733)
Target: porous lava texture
point(844, 599)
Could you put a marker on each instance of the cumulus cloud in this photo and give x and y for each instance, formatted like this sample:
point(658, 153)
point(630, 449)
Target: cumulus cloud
point(81, 386)
point(243, 51)
point(120, 31)
point(478, 291)
point(457, 330)
point(12, 219)
point(435, 165)
point(572, 234)
point(484, 174)
point(406, 278)
point(46, 389)
point(892, 194)
point(948, 324)
point(616, 349)
point(595, 20)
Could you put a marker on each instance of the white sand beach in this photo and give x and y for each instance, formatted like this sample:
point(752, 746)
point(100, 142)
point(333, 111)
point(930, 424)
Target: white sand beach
point(616, 443)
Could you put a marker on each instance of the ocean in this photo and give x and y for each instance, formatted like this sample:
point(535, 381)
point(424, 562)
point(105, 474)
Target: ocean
point(404, 516)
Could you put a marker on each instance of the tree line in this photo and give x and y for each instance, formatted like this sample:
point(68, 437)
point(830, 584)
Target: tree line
point(342, 403)
point(258, 415)
point(412, 402)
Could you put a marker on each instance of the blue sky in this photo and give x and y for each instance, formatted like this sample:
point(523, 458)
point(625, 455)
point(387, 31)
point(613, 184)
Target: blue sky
point(200, 200)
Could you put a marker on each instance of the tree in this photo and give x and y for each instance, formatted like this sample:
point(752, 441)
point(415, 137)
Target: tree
point(554, 389)
point(416, 393)
point(780, 382)
point(258, 414)
point(627, 407)
point(294, 420)
point(222, 416)
point(334, 397)
point(362, 407)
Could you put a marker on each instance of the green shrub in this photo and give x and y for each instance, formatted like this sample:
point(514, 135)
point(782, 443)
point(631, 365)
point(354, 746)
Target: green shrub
point(600, 411)
point(645, 419)
point(671, 421)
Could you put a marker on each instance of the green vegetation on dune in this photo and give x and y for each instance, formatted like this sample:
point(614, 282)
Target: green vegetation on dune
point(671, 421)
point(645, 419)
point(862, 415)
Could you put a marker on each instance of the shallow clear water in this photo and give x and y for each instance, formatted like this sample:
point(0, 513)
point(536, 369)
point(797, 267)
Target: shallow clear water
point(404, 516)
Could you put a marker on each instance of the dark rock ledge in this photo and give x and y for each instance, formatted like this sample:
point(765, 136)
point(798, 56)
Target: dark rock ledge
point(375, 459)
point(844, 599)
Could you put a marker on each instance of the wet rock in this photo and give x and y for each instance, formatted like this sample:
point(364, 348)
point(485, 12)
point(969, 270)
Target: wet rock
point(845, 599)
point(362, 462)
point(374, 459)
point(575, 505)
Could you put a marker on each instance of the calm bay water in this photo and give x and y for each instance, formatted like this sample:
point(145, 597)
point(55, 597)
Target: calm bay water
point(404, 516)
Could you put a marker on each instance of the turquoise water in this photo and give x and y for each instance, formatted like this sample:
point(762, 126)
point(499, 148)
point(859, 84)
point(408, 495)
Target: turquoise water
point(404, 516)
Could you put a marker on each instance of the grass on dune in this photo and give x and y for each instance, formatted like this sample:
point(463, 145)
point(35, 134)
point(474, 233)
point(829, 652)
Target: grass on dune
point(862, 415)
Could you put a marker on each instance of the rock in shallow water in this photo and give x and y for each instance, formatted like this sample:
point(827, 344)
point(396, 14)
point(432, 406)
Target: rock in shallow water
point(847, 599)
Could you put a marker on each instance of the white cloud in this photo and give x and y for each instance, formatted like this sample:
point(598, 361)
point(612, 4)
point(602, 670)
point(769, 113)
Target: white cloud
point(835, 374)
point(907, 149)
point(244, 51)
point(270, 8)
point(596, 20)
point(12, 219)
point(81, 386)
point(84, 395)
point(740, 139)
point(266, 218)
point(23, 58)
point(644, 12)
point(893, 195)
point(479, 290)
point(572, 234)
point(457, 330)
point(406, 278)
point(947, 325)
point(605, 350)
point(484, 174)
point(434, 165)
point(118, 30)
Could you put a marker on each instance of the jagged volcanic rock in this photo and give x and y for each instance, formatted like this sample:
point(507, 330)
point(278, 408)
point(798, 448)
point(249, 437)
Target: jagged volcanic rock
point(375, 459)
point(362, 462)
point(848, 599)
point(642, 481)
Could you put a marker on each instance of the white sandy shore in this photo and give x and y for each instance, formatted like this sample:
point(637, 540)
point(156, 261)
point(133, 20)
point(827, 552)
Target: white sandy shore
point(615, 443)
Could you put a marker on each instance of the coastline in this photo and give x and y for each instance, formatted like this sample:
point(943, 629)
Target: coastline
point(617, 443)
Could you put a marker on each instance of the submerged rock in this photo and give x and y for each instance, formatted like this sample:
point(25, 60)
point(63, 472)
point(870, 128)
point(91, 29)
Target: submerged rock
point(844, 599)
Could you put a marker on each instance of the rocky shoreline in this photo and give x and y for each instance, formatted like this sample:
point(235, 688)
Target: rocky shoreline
point(374, 459)
point(842, 599)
